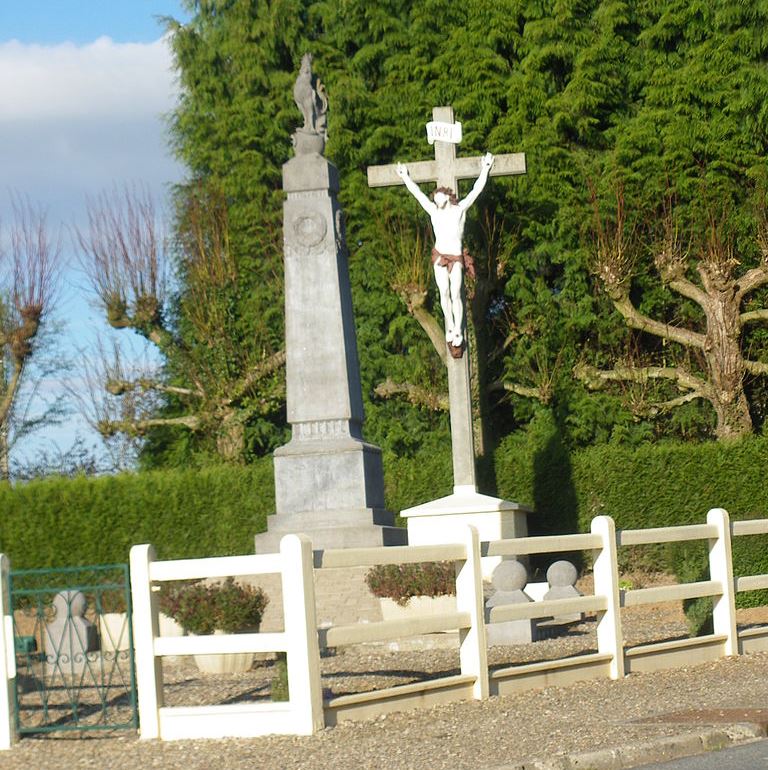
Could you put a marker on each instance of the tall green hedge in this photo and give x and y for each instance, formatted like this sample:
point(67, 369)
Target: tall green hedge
point(216, 511)
point(69, 522)
point(656, 485)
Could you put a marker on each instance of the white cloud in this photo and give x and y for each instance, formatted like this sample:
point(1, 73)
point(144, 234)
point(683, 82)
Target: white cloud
point(102, 78)
point(76, 120)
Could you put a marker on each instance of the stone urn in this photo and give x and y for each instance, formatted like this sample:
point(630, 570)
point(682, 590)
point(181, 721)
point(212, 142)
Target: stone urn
point(225, 663)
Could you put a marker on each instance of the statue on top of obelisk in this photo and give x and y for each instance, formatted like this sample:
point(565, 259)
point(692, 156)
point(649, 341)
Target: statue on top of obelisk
point(312, 101)
point(449, 256)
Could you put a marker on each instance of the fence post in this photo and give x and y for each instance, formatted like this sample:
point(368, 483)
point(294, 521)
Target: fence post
point(721, 569)
point(473, 652)
point(610, 640)
point(149, 669)
point(305, 692)
point(7, 659)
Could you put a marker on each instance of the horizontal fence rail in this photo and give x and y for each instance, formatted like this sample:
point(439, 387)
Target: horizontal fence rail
point(296, 563)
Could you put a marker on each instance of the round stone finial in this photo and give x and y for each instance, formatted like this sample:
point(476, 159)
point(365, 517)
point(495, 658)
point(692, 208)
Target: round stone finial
point(510, 576)
point(561, 573)
point(69, 603)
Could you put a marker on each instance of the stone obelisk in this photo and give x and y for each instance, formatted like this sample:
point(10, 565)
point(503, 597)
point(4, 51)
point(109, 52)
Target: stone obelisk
point(329, 482)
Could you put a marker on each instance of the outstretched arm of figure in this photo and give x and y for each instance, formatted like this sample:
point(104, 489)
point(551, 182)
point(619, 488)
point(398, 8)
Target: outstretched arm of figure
point(485, 167)
point(414, 189)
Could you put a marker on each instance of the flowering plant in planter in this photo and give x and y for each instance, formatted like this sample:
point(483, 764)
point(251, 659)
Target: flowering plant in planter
point(226, 606)
point(400, 582)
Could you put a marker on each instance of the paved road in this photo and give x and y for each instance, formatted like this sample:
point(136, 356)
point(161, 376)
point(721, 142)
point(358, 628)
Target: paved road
point(751, 756)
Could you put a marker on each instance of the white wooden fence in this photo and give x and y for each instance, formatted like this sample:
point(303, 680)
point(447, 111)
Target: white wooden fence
point(306, 712)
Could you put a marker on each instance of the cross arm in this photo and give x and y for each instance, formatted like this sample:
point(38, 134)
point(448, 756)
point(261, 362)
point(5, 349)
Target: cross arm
point(385, 176)
point(508, 164)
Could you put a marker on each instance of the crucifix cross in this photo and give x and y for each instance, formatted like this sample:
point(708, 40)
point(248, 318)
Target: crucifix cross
point(446, 170)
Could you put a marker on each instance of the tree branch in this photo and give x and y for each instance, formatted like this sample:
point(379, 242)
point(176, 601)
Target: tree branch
point(415, 394)
point(110, 427)
point(527, 391)
point(257, 372)
point(118, 387)
point(753, 316)
point(415, 301)
point(751, 280)
point(689, 289)
point(6, 405)
point(638, 320)
point(595, 378)
point(665, 406)
point(756, 367)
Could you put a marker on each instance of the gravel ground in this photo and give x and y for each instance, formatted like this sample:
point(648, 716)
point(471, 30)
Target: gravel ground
point(499, 731)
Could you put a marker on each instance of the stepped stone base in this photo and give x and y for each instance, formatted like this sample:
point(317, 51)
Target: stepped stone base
point(361, 528)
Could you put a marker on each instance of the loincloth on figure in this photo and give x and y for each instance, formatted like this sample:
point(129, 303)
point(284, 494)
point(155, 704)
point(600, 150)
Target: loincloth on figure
point(449, 260)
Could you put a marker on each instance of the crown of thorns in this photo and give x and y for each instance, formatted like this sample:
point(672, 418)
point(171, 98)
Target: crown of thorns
point(446, 191)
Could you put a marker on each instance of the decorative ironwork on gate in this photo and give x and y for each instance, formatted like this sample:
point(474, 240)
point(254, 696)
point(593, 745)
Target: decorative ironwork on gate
point(73, 640)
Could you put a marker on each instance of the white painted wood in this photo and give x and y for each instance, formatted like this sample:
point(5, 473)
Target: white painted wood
point(672, 593)
point(7, 660)
point(473, 645)
point(239, 720)
point(299, 611)
point(360, 633)
point(215, 644)
point(149, 671)
point(721, 570)
point(750, 527)
point(215, 567)
point(394, 554)
point(751, 582)
point(522, 546)
point(547, 608)
point(665, 534)
point(610, 639)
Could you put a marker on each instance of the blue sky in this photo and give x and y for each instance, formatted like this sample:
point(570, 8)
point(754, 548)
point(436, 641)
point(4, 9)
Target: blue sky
point(84, 85)
point(48, 22)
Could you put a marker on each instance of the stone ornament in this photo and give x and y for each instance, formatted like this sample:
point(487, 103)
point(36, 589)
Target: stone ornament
point(69, 637)
point(562, 576)
point(449, 258)
point(312, 101)
point(310, 228)
point(509, 579)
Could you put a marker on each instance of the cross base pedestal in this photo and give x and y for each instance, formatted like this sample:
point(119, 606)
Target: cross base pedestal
point(443, 520)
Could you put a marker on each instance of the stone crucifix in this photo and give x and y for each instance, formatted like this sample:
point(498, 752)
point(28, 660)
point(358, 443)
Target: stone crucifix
point(448, 214)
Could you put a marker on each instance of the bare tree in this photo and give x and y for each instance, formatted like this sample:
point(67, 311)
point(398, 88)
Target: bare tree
point(704, 269)
point(215, 381)
point(32, 258)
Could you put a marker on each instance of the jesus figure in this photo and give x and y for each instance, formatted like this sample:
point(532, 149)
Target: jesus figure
point(449, 258)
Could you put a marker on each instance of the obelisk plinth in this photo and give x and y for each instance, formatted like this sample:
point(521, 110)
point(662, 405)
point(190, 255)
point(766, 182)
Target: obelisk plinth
point(329, 481)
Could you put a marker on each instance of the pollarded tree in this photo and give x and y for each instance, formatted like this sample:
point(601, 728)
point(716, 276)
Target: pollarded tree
point(25, 301)
point(688, 210)
point(706, 270)
point(210, 384)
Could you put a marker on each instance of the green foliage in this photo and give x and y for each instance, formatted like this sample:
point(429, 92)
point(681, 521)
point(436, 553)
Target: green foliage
point(663, 485)
point(204, 608)
point(400, 582)
point(184, 514)
point(279, 685)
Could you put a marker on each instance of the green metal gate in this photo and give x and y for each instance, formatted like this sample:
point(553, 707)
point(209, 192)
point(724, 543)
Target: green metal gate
point(73, 640)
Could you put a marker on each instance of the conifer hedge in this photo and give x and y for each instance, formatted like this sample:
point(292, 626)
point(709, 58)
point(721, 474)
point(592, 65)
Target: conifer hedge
point(655, 485)
point(217, 510)
point(185, 514)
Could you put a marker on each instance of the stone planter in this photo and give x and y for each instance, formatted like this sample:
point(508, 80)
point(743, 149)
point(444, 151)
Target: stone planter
point(418, 606)
point(224, 663)
point(113, 632)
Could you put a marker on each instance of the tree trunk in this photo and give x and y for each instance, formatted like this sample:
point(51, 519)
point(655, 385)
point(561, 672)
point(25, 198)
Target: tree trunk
point(230, 440)
point(725, 362)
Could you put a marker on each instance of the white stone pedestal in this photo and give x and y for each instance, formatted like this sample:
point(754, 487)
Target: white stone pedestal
point(443, 520)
